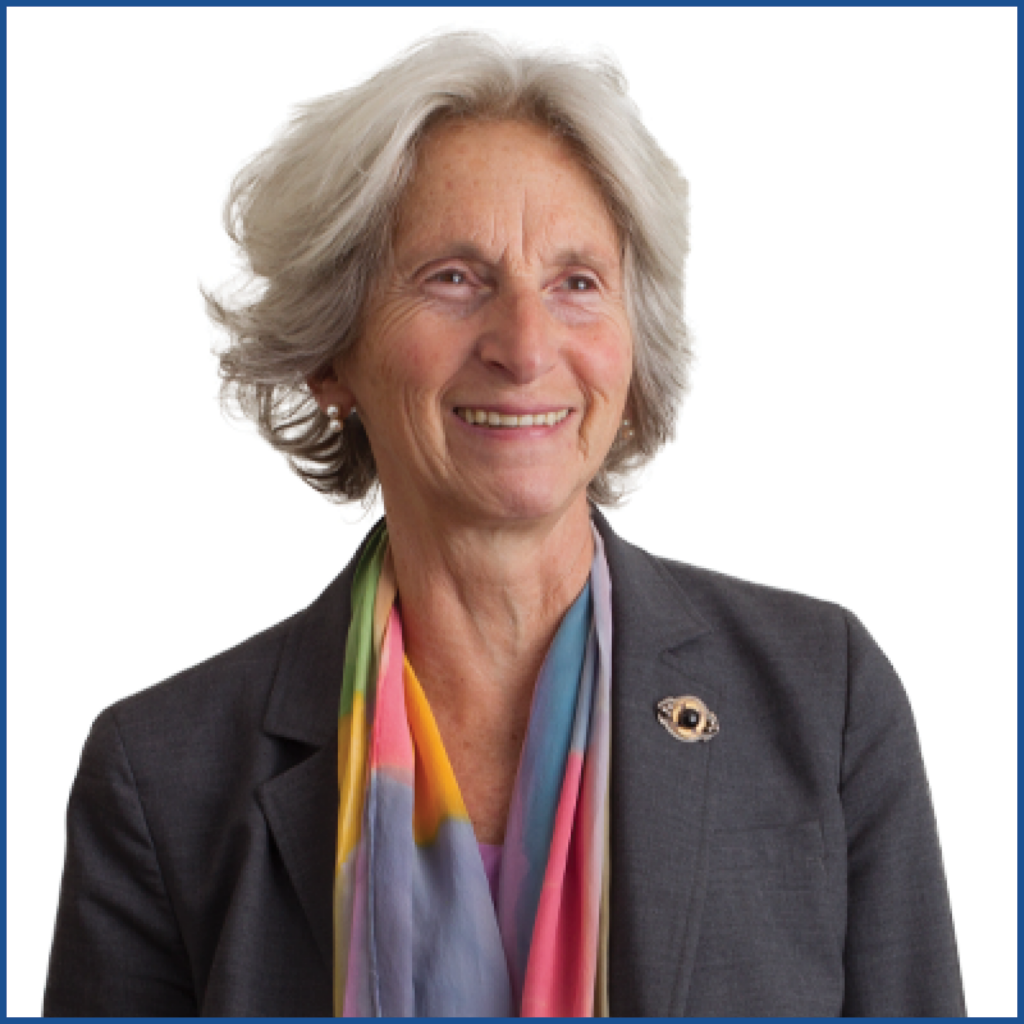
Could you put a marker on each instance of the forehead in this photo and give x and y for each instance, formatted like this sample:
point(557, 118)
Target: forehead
point(506, 183)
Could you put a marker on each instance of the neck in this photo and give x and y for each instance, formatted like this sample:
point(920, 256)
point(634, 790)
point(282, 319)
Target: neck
point(481, 605)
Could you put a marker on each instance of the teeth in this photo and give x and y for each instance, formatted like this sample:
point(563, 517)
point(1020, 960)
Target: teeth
point(494, 419)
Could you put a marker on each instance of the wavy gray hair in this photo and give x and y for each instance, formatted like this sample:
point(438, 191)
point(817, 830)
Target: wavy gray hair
point(314, 217)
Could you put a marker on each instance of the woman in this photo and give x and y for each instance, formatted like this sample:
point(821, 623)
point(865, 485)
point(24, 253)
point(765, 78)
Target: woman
point(567, 777)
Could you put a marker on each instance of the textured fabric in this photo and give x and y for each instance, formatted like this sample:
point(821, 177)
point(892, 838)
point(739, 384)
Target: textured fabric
point(788, 867)
point(417, 932)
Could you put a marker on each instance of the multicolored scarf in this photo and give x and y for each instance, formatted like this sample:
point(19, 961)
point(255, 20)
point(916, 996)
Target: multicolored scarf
point(416, 930)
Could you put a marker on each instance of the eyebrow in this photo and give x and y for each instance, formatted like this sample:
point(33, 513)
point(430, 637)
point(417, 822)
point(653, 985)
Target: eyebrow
point(471, 252)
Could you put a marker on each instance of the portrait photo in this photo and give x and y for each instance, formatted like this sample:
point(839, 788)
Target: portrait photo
point(512, 511)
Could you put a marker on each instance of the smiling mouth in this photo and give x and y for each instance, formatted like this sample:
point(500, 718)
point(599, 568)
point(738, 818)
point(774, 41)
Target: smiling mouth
point(485, 418)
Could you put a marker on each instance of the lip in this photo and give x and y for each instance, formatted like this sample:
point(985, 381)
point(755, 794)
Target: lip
point(504, 409)
point(514, 433)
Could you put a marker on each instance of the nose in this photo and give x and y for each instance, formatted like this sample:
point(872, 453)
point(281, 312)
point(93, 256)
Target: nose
point(520, 338)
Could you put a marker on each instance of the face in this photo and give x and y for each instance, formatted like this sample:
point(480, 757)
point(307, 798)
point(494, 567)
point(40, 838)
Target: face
point(495, 361)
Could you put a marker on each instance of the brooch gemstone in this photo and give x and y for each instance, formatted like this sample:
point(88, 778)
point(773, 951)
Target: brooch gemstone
point(688, 719)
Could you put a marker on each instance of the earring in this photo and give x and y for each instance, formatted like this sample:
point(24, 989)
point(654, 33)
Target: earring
point(335, 426)
point(626, 432)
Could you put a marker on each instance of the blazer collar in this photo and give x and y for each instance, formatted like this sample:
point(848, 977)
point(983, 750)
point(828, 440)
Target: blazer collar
point(649, 599)
point(658, 785)
point(304, 701)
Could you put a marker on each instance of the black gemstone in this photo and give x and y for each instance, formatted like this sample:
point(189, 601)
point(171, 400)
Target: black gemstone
point(690, 718)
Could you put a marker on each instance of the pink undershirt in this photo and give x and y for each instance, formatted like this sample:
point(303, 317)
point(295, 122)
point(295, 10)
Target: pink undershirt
point(490, 854)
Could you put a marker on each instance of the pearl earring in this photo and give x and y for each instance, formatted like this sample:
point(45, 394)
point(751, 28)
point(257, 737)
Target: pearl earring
point(626, 432)
point(336, 426)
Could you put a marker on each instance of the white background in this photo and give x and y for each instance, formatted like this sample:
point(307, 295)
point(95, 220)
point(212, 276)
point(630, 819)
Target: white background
point(851, 431)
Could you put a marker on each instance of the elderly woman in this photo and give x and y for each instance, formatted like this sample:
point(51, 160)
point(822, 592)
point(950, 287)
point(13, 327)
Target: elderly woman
point(507, 763)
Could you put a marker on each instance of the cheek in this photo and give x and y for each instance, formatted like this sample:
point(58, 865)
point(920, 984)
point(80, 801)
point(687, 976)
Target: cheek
point(409, 356)
point(609, 365)
point(404, 368)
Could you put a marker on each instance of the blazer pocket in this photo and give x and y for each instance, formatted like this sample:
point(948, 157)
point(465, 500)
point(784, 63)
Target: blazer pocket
point(791, 856)
point(768, 935)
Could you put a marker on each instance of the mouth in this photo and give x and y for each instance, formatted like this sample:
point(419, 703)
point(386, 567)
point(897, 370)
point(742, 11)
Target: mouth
point(511, 421)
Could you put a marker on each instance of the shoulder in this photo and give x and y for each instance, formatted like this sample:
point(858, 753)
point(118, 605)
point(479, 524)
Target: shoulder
point(785, 618)
point(799, 648)
point(235, 682)
point(282, 682)
point(757, 640)
point(777, 647)
point(778, 618)
point(198, 734)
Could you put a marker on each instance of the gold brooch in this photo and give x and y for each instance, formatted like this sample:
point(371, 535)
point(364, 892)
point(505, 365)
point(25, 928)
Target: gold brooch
point(687, 718)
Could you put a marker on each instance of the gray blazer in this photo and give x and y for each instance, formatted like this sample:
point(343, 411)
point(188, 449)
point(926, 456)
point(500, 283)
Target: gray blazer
point(787, 867)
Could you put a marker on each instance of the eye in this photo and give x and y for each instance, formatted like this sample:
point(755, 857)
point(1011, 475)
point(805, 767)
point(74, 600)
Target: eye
point(450, 275)
point(580, 283)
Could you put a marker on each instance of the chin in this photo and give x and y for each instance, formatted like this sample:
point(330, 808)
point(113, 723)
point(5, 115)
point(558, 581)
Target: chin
point(533, 497)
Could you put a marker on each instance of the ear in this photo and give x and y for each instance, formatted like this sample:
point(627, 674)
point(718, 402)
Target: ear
point(329, 389)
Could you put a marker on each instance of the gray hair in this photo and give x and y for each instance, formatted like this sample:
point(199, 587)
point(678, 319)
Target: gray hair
point(314, 217)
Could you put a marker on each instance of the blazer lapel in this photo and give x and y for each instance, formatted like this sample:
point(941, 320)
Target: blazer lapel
point(658, 786)
point(301, 804)
point(301, 808)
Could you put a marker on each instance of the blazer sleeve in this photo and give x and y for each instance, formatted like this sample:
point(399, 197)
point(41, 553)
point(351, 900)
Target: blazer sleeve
point(900, 954)
point(117, 950)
